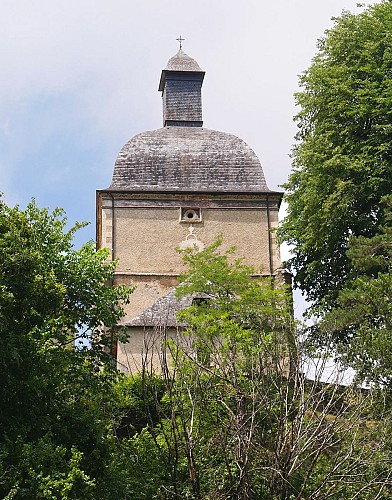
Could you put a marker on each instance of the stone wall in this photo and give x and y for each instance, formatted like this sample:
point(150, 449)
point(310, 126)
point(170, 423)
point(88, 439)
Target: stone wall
point(144, 231)
point(147, 238)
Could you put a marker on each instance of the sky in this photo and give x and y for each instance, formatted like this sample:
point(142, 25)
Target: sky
point(80, 78)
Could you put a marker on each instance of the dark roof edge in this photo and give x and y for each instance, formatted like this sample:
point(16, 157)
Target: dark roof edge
point(168, 191)
point(267, 194)
point(165, 71)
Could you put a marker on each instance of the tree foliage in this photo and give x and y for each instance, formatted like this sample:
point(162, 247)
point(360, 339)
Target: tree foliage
point(229, 416)
point(55, 436)
point(238, 419)
point(361, 322)
point(343, 156)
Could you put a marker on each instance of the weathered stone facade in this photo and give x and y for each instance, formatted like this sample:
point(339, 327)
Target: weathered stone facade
point(173, 187)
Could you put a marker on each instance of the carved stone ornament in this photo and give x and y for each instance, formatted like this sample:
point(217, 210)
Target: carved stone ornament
point(191, 241)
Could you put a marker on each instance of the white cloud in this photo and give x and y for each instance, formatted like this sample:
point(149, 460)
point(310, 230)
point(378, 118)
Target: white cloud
point(108, 57)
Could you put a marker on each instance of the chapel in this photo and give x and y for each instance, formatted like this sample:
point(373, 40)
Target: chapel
point(177, 187)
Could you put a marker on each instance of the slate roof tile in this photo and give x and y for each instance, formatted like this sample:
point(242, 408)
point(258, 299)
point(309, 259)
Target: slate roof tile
point(187, 159)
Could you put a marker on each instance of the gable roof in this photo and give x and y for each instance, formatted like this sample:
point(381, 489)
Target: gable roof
point(163, 313)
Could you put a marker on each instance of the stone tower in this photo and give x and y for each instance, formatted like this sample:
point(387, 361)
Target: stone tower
point(178, 186)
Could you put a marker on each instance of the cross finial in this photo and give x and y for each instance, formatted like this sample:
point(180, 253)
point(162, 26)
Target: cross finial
point(180, 40)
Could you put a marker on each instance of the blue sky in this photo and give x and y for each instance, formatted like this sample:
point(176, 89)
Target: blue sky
point(80, 78)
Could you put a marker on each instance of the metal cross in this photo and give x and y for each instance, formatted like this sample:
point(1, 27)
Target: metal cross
point(180, 40)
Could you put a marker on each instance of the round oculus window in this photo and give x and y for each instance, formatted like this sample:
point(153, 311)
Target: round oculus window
point(190, 215)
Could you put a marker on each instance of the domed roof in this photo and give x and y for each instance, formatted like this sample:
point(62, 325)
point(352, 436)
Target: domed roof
point(182, 62)
point(187, 159)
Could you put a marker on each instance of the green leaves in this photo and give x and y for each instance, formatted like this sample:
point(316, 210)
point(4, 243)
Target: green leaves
point(342, 160)
point(48, 471)
point(238, 418)
point(361, 322)
point(55, 415)
point(230, 303)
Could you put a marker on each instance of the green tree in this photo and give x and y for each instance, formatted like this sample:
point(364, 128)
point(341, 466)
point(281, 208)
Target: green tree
point(361, 322)
point(240, 333)
point(56, 413)
point(343, 156)
point(238, 420)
